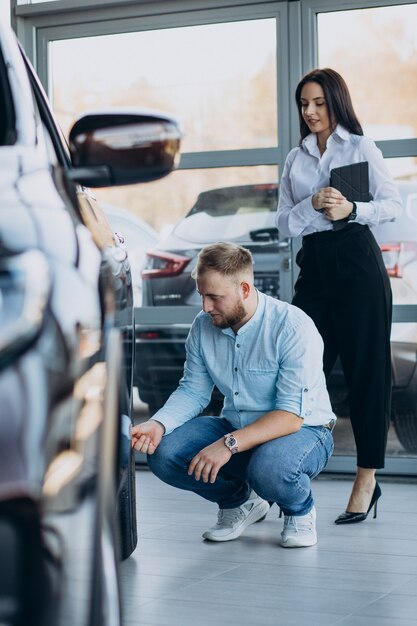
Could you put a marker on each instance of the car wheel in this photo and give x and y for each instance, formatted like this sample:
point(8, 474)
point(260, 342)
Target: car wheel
point(127, 508)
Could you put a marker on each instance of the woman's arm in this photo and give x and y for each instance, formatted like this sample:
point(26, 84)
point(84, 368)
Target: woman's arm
point(292, 218)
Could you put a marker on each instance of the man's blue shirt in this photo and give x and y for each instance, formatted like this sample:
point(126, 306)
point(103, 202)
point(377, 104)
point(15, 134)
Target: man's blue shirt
point(274, 362)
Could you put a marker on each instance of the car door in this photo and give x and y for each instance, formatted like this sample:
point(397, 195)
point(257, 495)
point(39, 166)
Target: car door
point(116, 294)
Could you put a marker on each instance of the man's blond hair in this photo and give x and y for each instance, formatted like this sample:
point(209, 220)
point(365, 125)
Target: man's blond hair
point(228, 259)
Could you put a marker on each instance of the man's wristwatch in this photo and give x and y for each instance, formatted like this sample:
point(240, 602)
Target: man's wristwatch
point(231, 443)
point(352, 217)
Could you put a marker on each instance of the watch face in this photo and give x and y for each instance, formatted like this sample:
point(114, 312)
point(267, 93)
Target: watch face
point(231, 441)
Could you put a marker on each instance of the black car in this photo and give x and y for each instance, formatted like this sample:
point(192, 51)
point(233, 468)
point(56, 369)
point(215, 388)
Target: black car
point(246, 215)
point(67, 474)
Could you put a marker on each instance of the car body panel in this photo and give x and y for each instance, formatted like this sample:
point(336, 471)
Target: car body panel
point(67, 493)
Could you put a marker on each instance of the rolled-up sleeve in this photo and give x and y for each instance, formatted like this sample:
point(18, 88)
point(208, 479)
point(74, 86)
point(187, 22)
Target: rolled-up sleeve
point(300, 379)
point(194, 391)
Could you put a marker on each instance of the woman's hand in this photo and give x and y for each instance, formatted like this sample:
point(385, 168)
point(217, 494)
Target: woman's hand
point(332, 203)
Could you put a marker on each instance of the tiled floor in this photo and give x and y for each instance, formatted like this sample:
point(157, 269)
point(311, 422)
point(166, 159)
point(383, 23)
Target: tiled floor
point(360, 575)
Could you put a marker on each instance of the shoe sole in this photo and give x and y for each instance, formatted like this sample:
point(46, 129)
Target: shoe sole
point(292, 543)
point(256, 515)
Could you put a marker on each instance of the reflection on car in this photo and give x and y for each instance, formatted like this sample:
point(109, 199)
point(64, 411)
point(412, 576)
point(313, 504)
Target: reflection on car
point(137, 237)
point(67, 473)
point(246, 215)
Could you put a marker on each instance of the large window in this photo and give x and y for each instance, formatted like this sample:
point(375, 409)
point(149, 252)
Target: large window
point(378, 59)
point(219, 80)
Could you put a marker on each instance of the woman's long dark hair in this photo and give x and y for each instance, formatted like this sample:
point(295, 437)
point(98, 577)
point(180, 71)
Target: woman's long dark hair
point(338, 100)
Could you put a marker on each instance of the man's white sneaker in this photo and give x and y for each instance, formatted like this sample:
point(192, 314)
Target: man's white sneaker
point(299, 532)
point(232, 522)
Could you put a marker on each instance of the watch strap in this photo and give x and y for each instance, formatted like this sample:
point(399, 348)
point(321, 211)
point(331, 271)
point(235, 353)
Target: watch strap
point(352, 217)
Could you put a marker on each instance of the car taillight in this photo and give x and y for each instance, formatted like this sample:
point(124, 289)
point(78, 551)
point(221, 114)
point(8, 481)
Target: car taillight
point(266, 186)
point(149, 335)
point(163, 264)
point(391, 255)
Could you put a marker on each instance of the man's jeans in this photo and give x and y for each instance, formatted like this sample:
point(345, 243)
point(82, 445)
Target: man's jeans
point(279, 470)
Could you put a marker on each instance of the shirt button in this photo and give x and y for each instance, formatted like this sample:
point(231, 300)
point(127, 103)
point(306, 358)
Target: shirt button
point(305, 389)
point(238, 345)
point(308, 412)
point(236, 393)
point(235, 369)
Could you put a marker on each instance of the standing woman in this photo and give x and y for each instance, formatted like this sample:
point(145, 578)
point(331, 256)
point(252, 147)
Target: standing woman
point(343, 284)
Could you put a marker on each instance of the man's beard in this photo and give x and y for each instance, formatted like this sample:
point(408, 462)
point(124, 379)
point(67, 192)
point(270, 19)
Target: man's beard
point(232, 319)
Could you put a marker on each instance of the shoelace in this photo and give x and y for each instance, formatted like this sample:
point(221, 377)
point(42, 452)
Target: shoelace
point(289, 522)
point(298, 523)
point(229, 517)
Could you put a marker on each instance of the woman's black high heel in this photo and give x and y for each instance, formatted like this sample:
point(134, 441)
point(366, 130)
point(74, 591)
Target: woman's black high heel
point(354, 518)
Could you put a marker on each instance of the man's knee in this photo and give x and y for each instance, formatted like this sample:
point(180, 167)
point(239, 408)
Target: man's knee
point(167, 457)
point(268, 475)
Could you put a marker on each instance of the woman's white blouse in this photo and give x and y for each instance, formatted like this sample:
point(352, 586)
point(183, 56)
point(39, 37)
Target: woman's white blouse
point(305, 172)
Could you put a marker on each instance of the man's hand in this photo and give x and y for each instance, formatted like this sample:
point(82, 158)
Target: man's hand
point(146, 437)
point(208, 461)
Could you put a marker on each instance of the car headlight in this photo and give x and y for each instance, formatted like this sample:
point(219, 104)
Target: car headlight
point(25, 284)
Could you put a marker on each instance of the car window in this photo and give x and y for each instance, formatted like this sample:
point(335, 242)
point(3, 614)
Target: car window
point(7, 114)
point(54, 132)
point(232, 200)
point(91, 213)
point(230, 213)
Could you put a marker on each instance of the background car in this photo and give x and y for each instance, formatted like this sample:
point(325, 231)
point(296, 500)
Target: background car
point(246, 215)
point(243, 214)
point(67, 473)
point(137, 237)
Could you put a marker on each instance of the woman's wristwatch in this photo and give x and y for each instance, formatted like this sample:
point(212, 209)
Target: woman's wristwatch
point(353, 215)
point(231, 443)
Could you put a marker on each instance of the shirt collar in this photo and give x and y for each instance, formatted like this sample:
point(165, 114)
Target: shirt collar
point(309, 143)
point(254, 321)
point(340, 133)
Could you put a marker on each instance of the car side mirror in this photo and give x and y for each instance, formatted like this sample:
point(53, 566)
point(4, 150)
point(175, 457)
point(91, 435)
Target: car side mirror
point(119, 148)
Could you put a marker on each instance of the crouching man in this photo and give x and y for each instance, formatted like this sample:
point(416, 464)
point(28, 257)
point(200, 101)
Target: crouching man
point(274, 433)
